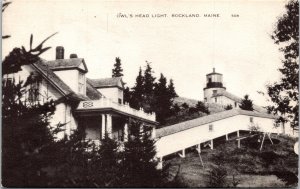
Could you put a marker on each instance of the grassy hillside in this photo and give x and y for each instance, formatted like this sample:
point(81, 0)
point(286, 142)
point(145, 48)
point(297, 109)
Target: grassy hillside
point(275, 166)
point(187, 111)
point(212, 107)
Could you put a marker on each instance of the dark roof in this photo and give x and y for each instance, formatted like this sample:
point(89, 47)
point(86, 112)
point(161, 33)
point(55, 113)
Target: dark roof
point(239, 100)
point(213, 73)
point(51, 77)
point(91, 92)
point(207, 119)
point(107, 82)
point(61, 64)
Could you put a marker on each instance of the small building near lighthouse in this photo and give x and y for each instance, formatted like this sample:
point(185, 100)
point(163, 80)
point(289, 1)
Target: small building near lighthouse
point(215, 92)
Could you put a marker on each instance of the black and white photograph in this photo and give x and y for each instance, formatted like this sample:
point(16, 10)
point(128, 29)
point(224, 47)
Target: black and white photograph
point(150, 94)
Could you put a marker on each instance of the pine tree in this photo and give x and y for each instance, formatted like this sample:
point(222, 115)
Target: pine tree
point(149, 80)
point(149, 83)
point(284, 94)
point(246, 104)
point(200, 106)
point(127, 95)
point(139, 166)
point(27, 138)
point(117, 71)
point(105, 167)
point(163, 100)
point(171, 89)
point(71, 161)
point(138, 91)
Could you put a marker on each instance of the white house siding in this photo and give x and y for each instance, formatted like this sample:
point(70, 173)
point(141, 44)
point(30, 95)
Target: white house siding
point(209, 92)
point(112, 93)
point(62, 113)
point(223, 100)
point(120, 95)
point(70, 77)
point(184, 139)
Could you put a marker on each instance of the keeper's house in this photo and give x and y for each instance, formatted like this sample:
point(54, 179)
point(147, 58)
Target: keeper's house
point(93, 104)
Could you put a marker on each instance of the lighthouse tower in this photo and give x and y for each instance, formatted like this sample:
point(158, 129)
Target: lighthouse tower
point(214, 86)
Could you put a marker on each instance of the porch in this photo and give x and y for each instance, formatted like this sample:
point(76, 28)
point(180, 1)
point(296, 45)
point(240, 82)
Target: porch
point(104, 116)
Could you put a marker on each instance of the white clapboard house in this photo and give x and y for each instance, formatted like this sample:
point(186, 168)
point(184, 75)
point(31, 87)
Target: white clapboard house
point(99, 106)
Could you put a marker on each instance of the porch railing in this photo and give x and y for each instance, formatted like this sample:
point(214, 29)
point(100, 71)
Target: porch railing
point(107, 103)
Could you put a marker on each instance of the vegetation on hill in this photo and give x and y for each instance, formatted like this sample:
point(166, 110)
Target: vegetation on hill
point(228, 166)
point(246, 103)
point(212, 107)
point(184, 109)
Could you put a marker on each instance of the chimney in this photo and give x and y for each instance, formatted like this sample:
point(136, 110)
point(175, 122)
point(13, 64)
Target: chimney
point(214, 70)
point(73, 56)
point(60, 51)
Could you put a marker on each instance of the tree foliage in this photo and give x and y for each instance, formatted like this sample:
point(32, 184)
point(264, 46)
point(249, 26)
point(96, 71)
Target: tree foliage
point(163, 100)
point(27, 137)
point(117, 71)
point(171, 89)
point(200, 106)
point(246, 104)
point(139, 164)
point(284, 93)
point(137, 91)
point(151, 95)
point(228, 107)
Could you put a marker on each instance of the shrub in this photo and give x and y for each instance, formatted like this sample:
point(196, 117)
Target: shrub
point(217, 177)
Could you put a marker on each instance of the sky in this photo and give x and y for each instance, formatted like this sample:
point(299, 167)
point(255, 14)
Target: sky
point(182, 48)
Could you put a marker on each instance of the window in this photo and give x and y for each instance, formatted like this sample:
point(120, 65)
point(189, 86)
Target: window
point(251, 119)
point(205, 99)
point(209, 80)
point(120, 101)
point(34, 87)
point(215, 91)
point(33, 92)
point(235, 104)
point(210, 127)
point(215, 99)
point(81, 83)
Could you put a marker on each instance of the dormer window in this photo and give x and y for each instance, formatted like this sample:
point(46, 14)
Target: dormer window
point(81, 83)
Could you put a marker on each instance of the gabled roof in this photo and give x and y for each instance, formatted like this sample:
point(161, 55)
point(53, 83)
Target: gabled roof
point(207, 119)
point(62, 64)
point(107, 82)
point(91, 92)
point(48, 74)
point(61, 86)
point(238, 100)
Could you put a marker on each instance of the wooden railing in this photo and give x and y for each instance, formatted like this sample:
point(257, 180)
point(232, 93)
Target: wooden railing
point(107, 103)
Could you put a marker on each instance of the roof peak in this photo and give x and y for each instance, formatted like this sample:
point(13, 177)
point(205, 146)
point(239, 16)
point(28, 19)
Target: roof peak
point(60, 64)
point(107, 82)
